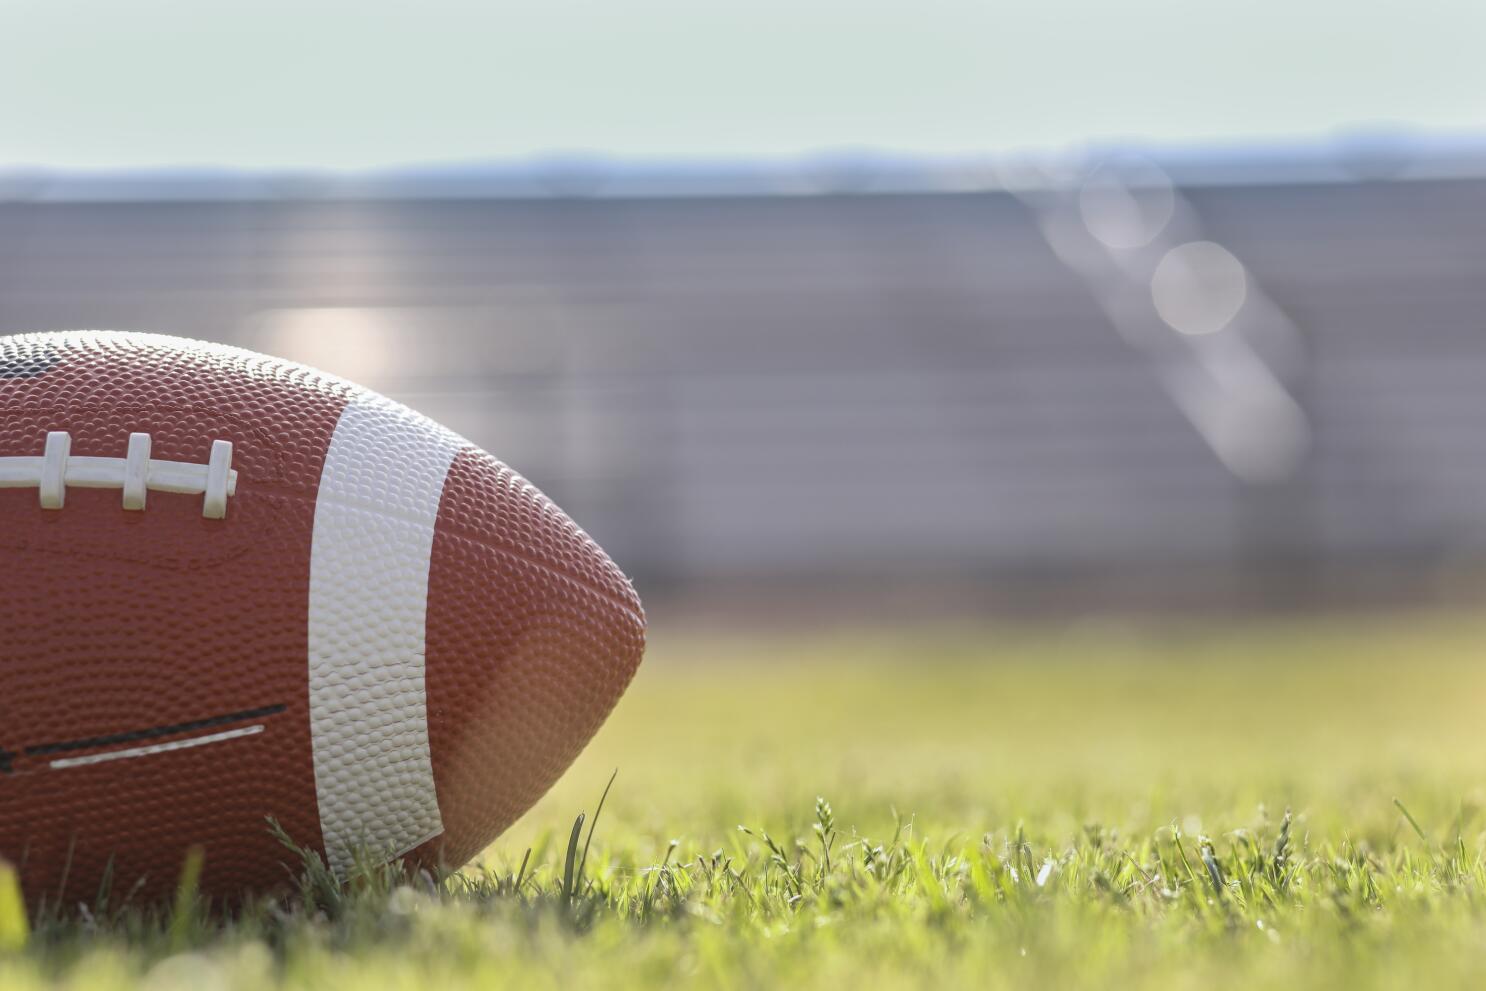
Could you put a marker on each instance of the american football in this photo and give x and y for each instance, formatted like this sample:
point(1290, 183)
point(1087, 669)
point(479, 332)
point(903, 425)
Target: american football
point(234, 590)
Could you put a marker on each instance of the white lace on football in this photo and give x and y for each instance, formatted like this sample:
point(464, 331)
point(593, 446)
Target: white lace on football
point(136, 473)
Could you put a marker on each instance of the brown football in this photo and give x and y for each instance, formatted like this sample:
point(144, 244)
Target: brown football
point(234, 588)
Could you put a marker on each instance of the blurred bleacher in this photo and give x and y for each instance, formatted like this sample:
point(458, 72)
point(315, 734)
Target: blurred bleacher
point(836, 387)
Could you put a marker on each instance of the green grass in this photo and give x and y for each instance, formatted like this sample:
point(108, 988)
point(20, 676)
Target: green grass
point(1253, 804)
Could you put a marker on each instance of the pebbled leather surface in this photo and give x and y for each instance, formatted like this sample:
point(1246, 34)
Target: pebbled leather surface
point(117, 624)
point(564, 638)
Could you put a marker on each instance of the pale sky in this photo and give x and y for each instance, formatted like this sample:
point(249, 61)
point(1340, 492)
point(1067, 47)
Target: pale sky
point(352, 85)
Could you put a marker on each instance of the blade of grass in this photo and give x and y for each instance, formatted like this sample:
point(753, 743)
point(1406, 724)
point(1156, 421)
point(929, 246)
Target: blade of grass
point(1412, 821)
point(15, 930)
point(568, 891)
point(594, 823)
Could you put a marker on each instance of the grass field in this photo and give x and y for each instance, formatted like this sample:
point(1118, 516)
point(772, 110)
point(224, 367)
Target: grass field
point(1296, 804)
